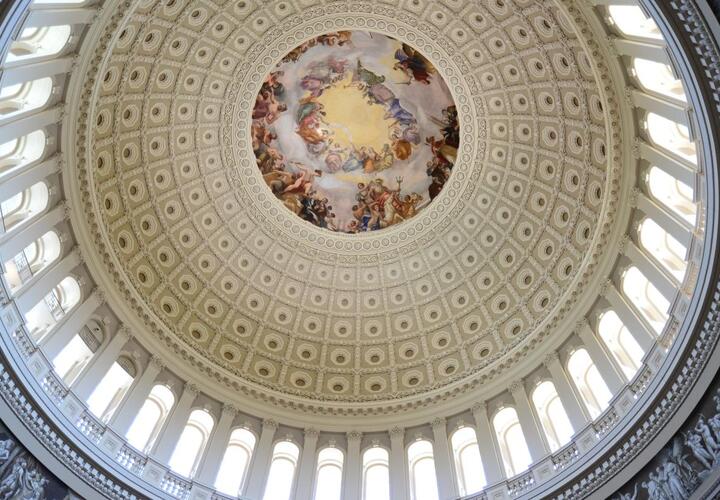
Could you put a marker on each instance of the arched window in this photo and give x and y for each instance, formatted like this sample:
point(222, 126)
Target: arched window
point(56, 304)
point(281, 478)
point(671, 136)
point(663, 247)
point(193, 439)
point(511, 439)
point(468, 465)
point(21, 98)
point(646, 298)
point(376, 474)
point(234, 465)
point(659, 78)
point(110, 391)
point(621, 343)
point(592, 387)
point(328, 479)
point(22, 151)
point(24, 205)
point(674, 194)
point(32, 259)
point(632, 21)
point(39, 42)
point(72, 360)
point(421, 464)
point(553, 418)
point(149, 420)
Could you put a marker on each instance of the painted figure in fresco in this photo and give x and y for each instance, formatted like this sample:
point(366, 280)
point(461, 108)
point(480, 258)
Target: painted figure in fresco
point(353, 162)
point(339, 38)
point(414, 65)
point(401, 116)
point(268, 107)
point(304, 182)
point(292, 175)
point(366, 78)
point(380, 94)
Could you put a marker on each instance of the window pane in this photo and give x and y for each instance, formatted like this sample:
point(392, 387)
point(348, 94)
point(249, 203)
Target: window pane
point(72, 359)
point(470, 474)
point(329, 483)
point(143, 425)
point(376, 474)
point(513, 447)
point(191, 443)
point(280, 480)
point(187, 450)
point(232, 470)
point(423, 482)
point(377, 483)
point(112, 387)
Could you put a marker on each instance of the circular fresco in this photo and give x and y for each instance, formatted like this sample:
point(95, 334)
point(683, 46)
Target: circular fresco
point(355, 131)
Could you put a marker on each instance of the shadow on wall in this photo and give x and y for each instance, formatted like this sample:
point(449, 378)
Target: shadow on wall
point(688, 459)
point(22, 477)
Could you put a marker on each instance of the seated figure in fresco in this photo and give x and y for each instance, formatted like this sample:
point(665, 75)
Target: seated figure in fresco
point(365, 78)
point(323, 74)
point(439, 172)
point(267, 107)
point(304, 182)
point(386, 159)
point(353, 162)
point(414, 64)
point(401, 116)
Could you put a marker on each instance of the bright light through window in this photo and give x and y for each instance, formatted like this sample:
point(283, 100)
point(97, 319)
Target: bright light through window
point(150, 417)
point(72, 359)
point(191, 443)
point(555, 422)
point(234, 464)
point(513, 447)
point(376, 475)
point(467, 461)
point(423, 481)
point(282, 471)
point(592, 387)
point(109, 391)
point(328, 484)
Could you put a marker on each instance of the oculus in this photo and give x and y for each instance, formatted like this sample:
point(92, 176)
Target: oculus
point(355, 131)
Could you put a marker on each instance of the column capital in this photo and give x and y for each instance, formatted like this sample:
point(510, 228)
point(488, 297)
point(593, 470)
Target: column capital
point(124, 331)
point(157, 363)
point(551, 358)
point(517, 387)
point(312, 432)
point(397, 432)
point(191, 388)
point(97, 291)
point(583, 323)
point(438, 422)
point(479, 408)
point(230, 409)
point(354, 436)
point(605, 287)
point(269, 423)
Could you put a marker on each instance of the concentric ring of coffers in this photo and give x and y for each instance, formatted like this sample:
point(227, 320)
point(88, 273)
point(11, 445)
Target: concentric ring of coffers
point(203, 252)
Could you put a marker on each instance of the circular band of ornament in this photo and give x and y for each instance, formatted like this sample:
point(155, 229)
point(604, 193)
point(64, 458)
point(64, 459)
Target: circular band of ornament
point(481, 340)
point(266, 210)
point(354, 131)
